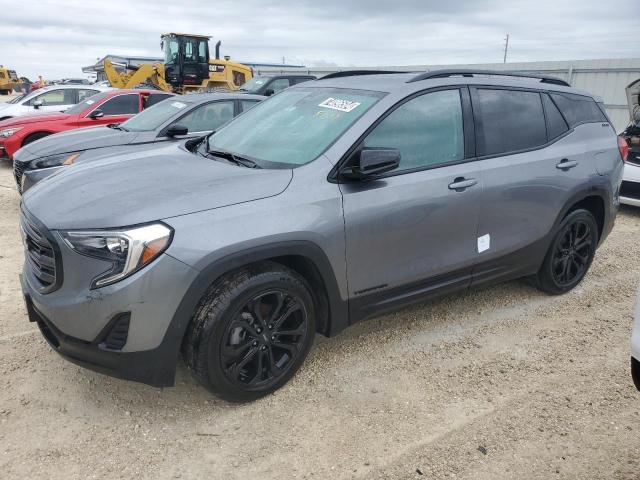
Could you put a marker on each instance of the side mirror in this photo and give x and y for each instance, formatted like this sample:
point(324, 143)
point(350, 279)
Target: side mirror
point(177, 130)
point(268, 92)
point(371, 163)
point(37, 104)
point(97, 113)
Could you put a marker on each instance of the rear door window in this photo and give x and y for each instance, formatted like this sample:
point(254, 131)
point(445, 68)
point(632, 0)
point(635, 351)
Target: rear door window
point(208, 117)
point(83, 94)
point(247, 104)
point(128, 104)
point(155, 98)
point(556, 124)
point(508, 121)
point(578, 109)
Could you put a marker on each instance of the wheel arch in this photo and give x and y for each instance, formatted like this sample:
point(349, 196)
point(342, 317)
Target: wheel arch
point(596, 200)
point(304, 257)
point(26, 141)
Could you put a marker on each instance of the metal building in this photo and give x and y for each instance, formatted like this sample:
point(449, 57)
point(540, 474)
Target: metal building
point(606, 78)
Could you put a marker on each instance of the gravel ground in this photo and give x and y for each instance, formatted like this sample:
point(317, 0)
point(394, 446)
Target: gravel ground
point(501, 382)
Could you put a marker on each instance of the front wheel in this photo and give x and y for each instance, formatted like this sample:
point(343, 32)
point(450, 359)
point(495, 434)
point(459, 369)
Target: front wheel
point(570, 254)
point(251, 332)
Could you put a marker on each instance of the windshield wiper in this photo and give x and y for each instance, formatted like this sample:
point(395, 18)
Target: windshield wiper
point(117, 126)
point(233, 158)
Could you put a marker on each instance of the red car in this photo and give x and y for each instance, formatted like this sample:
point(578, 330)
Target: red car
point(113, 106)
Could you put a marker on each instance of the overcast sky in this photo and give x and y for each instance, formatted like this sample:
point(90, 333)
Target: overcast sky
point(57, 37)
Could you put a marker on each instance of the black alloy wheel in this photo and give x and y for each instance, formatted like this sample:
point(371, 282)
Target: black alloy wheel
point(264, 339)
point(251, 332)
point(572, 253)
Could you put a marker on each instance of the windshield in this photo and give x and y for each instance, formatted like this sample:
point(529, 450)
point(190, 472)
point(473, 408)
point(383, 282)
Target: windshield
point(293, 127)
point(82, 106)
point(155, 116)
point(254, 84)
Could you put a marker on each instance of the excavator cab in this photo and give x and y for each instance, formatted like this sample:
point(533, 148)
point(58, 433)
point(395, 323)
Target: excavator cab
point(186, 59)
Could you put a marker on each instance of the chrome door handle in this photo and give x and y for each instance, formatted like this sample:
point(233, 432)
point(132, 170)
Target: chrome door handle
point(566, 164)
point(461, 183)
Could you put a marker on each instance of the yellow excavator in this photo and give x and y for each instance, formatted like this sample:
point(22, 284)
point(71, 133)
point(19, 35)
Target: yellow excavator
point(186, 68)
point(8, 80)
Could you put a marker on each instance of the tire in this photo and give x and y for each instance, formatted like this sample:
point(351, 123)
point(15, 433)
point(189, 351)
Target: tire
point(5, 92)
point(251, 309)
point(570, 254)
point(34, 136)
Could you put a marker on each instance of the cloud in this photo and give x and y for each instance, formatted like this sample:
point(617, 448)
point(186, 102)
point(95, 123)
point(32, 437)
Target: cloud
point(57, 38)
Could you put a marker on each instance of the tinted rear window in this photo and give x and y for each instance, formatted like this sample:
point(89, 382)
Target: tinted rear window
point(578, 109)
point(127, 104)
point(556, 125)
point(509, 121)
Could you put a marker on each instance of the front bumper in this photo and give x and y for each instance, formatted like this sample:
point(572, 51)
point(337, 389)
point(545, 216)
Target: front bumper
point(153, 367)
point(77, 322)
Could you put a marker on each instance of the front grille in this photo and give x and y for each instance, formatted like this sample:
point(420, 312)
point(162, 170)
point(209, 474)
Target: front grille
point(630, 190)
point(18, 171)
point(40, 256)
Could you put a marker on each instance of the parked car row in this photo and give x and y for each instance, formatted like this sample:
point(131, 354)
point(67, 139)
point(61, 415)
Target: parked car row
point(328, 203)
point(181, 117)
point(109, 107)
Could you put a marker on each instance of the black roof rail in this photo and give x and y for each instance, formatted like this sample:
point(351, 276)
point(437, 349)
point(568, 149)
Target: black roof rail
point(354, 73)
point(470, 73)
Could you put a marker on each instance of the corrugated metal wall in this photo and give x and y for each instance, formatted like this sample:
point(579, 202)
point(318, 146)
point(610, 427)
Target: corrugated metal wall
point(606, 78)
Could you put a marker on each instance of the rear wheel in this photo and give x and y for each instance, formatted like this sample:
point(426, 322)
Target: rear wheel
point(570, 254)
point(34, 136)
point(251, 332)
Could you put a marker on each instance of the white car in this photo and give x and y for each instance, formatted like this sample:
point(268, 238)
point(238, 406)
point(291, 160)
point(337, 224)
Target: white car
point(630, 188)
point(55, 98)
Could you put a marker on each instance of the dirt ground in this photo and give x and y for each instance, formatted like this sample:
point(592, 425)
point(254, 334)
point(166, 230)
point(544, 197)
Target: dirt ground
point(502, 382)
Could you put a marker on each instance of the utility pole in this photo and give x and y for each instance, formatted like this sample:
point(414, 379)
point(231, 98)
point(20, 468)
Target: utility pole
point(506, 48)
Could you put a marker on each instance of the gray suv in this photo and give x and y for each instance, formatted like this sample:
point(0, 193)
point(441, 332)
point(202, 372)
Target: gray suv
point(327, 204)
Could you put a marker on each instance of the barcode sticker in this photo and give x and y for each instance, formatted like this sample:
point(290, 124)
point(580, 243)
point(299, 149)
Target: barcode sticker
point(338, 104)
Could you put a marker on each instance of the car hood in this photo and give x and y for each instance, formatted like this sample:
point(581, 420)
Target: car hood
point(32, 118)
point(79, 140)
point(152, 184)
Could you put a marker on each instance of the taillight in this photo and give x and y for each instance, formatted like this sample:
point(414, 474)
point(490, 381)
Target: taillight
point(623, 146)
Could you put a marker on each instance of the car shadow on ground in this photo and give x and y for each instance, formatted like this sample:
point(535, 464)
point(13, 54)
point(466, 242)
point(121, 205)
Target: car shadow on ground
point(423, 323)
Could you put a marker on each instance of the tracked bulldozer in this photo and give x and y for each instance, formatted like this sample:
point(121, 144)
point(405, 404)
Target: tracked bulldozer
point(186, 68)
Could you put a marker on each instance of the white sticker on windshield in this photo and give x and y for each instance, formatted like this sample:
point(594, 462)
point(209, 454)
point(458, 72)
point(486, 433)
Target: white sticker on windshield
point(178, 105)
point(338, 104)
point(90, 102)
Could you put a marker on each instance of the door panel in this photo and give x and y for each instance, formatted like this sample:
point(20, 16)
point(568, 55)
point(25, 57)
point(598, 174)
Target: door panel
point(411, 226)
point(523, 192)
point(407, 228)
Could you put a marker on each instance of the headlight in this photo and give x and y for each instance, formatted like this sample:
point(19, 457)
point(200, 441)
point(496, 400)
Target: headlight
point(7, 132)
point(56, 160)
point(128, 250)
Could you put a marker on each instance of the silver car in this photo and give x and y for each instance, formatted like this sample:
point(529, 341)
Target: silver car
point(329, 203)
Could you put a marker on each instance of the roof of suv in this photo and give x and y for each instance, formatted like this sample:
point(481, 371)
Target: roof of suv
point(407, 82)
